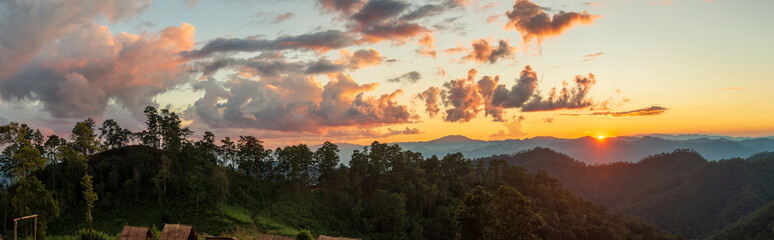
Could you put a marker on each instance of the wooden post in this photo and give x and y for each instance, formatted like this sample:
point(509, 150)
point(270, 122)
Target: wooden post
point(36, 230)
point(14, 229)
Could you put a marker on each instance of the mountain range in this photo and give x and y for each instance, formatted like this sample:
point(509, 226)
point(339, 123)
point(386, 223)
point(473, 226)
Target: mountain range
point(588, 149)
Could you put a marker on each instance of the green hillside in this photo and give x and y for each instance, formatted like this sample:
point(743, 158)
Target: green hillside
point(239, 188)
point(759, 225)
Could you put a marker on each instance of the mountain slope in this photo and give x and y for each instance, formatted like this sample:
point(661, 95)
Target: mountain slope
point(680, 192)
point(759, 225)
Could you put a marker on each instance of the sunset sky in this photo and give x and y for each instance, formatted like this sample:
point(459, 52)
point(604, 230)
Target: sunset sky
point(392, 70)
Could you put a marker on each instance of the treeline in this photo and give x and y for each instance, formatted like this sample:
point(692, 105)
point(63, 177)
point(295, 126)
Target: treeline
point(679, 191)
point(162, 175)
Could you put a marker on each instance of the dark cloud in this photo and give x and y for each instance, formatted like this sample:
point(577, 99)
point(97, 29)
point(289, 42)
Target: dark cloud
point(394, 30)
point(530, 19)
point(381, 20)
point(296, 103)
point(376, 11)
point(518, 94)
point(412, 77)
point(272, 64)
point(483, 52)
point(429, 10)
point(486, 87)
point(567, 98)
point(343, 6)
point(318, 41)
point(27, 26)
point(90, 67)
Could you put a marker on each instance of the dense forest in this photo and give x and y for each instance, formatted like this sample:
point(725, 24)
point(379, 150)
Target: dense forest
point(104, 177)
point(680, 192)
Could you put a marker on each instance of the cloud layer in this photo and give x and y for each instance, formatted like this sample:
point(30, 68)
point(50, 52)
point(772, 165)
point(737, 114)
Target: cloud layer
point(296, 103)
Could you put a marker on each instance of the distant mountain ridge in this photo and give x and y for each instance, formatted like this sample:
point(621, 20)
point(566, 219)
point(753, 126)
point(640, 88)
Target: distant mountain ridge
point(591, 150)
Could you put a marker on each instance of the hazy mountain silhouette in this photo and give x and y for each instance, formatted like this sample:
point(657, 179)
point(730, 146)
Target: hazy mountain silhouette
point(591, 150)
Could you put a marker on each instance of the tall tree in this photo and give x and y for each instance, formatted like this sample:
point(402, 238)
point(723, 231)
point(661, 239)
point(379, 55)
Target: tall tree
point(22, 153)
point(252, 157)
point(327, 158)
point(84, 145)
point(114, 135)
point(31, 197)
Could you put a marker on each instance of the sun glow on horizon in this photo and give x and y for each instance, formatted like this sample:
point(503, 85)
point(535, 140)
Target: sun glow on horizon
point(600, 137)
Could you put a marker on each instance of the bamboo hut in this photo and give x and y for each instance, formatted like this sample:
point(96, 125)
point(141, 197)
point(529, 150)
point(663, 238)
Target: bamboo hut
point(323, 237)
point(178, 232)
point(135, 233)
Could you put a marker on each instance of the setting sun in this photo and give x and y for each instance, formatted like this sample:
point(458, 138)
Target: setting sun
point(600, 137)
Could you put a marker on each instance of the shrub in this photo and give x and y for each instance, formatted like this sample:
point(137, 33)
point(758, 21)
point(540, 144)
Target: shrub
point(304, 235)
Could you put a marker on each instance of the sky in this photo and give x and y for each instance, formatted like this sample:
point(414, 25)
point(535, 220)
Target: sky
point(307, 71)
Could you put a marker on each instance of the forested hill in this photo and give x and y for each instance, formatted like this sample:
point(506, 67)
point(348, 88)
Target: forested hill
point(384, 192)
point(679, 191)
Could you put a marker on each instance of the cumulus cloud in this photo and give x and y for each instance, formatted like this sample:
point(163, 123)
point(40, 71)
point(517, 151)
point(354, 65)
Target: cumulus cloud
point(79, 74)
point(483, 52)
point(28, 26)
point(412, 77)
point(319, 41)
point(532, 22)
point(519, 93)
point(649, 111)
point(296, 103)
point(464, 98)
point(432, 103)
point(567, 98)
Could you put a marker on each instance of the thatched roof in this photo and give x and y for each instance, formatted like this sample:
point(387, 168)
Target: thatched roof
point(135, 233)
point(272, 237)
point(323, 237)
point(178, 232)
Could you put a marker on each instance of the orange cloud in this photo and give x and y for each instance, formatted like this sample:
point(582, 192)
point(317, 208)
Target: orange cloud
point(427, 45)
point(649, 111)
point(130, 69)
point(483, 52)
point(532, 22)
point(456, 50)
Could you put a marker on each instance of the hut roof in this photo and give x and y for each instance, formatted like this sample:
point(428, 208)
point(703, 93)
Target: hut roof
point(178, 232)
point(135, 233)
point(323, 237)
point(272, 237)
